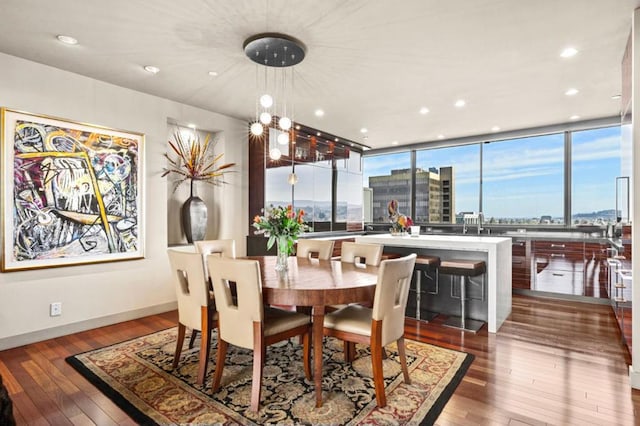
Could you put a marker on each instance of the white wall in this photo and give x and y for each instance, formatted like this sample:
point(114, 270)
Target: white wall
point(93, 295)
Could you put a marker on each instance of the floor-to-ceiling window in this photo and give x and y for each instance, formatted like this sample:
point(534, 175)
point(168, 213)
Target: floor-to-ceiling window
point(523, 180)
point(595, 165)
point(557, 179)
point(387, 177)
point(447, 182)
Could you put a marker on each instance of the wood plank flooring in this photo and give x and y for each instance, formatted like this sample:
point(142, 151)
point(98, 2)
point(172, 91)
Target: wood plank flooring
point(553, 362)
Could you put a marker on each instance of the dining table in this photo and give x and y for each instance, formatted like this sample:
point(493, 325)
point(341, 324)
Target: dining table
point(316, 284)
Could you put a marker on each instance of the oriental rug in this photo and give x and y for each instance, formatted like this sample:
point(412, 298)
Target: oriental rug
point(137, 375)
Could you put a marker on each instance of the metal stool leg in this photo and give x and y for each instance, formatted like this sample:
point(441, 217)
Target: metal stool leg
point(466, 324)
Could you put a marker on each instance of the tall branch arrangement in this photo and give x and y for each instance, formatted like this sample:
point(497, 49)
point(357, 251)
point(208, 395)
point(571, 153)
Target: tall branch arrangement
point(195, 160)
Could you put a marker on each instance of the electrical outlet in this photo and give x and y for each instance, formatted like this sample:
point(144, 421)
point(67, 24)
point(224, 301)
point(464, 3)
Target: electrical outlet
point(55, 309)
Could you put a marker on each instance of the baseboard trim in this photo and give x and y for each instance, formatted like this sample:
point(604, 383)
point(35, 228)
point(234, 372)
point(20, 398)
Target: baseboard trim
point(63, 330)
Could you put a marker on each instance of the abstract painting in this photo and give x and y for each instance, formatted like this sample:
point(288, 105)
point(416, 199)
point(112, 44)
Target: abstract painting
point(71, 193)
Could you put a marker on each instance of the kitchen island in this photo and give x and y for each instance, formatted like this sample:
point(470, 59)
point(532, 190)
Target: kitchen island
point(495, 251)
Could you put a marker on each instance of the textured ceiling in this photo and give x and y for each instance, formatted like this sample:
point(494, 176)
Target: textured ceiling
point(369, 64)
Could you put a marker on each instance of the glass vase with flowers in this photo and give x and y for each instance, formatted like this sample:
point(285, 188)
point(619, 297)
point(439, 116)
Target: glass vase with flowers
point(282, 225)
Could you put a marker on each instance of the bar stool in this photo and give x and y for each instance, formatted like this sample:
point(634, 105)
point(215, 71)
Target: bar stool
point(425, 263)
point(463, 268)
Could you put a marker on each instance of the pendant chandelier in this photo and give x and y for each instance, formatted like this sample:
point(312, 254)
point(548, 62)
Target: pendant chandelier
point(275, 55)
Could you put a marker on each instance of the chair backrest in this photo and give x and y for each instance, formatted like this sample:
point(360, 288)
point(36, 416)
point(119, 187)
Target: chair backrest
point(236, 317)
point(192, 287)
point(224, 248)
point(392, 291)
point(355, 252)
point(307, 246)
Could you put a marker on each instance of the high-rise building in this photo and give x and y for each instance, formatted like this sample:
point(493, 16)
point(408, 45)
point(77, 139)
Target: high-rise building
point(435, 196)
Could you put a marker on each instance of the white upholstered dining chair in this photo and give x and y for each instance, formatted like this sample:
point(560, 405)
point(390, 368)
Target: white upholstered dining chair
point(223, 248)
point(369, 254)
point(309, 247)
point(380, 325)
point(244, 322)
point(195, 308)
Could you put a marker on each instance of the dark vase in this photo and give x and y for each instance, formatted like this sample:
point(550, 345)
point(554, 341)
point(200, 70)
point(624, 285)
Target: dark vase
point(194, 218)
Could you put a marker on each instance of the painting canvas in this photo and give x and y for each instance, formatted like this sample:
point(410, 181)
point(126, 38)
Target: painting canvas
point(71, 193)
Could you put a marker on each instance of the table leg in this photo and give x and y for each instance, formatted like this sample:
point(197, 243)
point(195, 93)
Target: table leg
point(318, 325)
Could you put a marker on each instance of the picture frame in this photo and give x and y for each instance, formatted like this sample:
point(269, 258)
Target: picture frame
point(72, 193)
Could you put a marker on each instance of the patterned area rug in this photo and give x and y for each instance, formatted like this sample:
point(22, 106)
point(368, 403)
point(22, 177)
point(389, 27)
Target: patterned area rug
point(138, 377)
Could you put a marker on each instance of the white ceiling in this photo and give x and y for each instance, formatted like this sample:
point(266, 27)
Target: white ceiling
point(369, 63)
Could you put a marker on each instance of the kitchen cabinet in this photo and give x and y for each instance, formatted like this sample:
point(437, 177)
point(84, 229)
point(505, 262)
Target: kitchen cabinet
point(558, 266)
point(563, 266)
point(520, 263)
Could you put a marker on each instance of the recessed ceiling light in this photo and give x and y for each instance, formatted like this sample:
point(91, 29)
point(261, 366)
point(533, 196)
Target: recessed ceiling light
point(440, 136)
point(574, 117)
point(318, 134)
point(191, 126)
point(151, 69)
point(424, 110)
point(297, 127)
point(571, 92)
point(363, 130)
point(319, 113)
point(394, 142)
point(569, 52)
point(616, 97)
point(495, 128)
point(213, 73)
point(460, 103)
point(67, 39)
point(336, 139)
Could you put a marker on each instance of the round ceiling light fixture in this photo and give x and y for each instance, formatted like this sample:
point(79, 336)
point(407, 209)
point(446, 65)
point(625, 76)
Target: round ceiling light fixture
point(274, 50)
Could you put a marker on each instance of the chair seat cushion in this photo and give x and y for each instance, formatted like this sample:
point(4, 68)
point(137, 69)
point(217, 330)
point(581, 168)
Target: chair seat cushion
point(351, 319)
point(278, 320)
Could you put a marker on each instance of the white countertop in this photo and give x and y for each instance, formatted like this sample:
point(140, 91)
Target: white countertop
point(462, 242)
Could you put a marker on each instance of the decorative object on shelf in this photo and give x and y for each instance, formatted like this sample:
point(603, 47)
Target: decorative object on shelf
point(399, 223)
point(277, 53)
point(71, 192)
point(195, 162)
point(282, 225)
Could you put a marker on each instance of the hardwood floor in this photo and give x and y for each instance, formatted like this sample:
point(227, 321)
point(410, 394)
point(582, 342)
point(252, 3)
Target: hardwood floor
point(553, 362)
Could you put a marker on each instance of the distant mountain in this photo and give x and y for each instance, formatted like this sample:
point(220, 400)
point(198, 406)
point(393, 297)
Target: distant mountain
point(604, 214)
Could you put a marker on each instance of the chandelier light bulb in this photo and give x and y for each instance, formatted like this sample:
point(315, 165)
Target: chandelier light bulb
point(283, 138)
point(275, 154)
point(285, 123)
point(266, 101)
point(256, 129)
point(265, 118)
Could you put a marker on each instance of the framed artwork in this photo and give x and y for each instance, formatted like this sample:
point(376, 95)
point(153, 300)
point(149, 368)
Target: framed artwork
point(71, 193)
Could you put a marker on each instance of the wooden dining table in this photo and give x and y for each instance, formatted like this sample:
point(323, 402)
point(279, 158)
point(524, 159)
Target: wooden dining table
point(316, 284)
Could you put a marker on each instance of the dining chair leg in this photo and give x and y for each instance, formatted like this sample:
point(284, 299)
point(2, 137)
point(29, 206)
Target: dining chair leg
point(205, 344)
point(403, 360)
point(192, 339)
point(179, 343)
point(222, 354)
point(349, 351)
point(259, 353)
point(306, 354)
point(376, 361)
